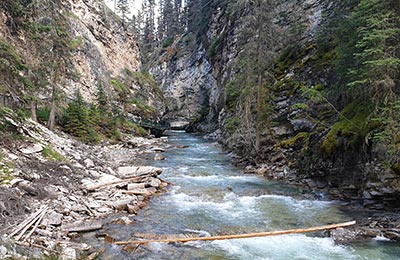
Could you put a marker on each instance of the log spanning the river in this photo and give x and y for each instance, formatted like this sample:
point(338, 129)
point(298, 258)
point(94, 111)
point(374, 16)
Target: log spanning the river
point(250, 235)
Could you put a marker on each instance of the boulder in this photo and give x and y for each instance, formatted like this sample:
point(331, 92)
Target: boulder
point(82, 226)
point(12, 156)
point(249, 169)
point(52, 218)
point(158, 157)
point(134, 171)
point(155, 182)
point(88, 163)
point(68, 253)
point(3, 252)
point(32, 149)
point(302, 125)
point(347, 235)
point(121, 205)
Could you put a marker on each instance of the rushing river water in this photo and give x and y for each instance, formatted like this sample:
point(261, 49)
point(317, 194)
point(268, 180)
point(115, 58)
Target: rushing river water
point(211, 196)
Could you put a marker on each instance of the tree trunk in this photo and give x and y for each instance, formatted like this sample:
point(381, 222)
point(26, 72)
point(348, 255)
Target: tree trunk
point(52, 116)
point(260, 111)
point(33, 110)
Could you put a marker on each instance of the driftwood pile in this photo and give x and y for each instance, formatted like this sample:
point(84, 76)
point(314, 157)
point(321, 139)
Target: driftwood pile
point(32, 222)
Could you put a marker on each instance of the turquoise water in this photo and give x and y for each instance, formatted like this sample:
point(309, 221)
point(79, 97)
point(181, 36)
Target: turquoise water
point(211, 196)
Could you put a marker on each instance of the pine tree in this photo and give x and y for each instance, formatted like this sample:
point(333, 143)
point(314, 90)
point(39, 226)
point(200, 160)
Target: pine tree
point(123, 9)
point(376, 73)
point(253, 79)
point(77, 120)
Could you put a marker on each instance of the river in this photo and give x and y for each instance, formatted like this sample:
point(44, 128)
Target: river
point(211, 196)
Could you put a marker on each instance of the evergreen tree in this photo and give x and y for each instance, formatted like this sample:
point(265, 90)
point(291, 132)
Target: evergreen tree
point(253, 79)
point(123, 8)
point(77, 121)
point(376, 72)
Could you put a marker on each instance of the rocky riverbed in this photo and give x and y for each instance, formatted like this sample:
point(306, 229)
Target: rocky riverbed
point(73, 185)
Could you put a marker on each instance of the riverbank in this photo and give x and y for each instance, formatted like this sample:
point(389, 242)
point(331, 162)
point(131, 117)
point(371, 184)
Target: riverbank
point(74, 182)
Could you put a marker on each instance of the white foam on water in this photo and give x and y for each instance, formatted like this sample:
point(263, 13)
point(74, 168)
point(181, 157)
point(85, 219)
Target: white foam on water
point(239, 208)
point(236, 209)
point(218, 178)
point(381, 238)
point(284, 247)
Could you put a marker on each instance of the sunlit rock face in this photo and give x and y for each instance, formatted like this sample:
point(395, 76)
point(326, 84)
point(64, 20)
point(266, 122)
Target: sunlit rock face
point(102, 51)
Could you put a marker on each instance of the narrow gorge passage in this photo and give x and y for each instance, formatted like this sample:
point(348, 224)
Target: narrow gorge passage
point(211, 196)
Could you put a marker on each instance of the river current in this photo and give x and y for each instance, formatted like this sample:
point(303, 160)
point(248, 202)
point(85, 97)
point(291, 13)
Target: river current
point(211, 196)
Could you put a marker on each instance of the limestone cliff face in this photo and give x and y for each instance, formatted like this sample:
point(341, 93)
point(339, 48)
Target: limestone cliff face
point(189, 86)
point(101, 50)
point(107, 49)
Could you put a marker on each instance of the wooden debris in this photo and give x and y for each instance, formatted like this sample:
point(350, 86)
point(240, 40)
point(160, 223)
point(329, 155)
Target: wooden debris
point(250, 235)
point(34, 219)
point(137, 192)
point(36, 225)
point(82, 226)
point(133, 179)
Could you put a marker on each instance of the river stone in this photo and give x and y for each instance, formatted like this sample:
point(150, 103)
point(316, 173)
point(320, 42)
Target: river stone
point(52, 218)
point(32, 149)
point(12, 156)
point(303, 125)
point(3, 252)
point(393, 234)
point(88, 163)
point(68, 253)
point(158, 157)
point(121, 205)
point(155, 182)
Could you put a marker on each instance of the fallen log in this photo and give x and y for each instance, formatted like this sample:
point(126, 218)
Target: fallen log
point(133, 179)
point(250, 235)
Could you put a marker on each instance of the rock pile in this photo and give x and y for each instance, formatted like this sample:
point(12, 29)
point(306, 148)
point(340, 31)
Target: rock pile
point(79, 185)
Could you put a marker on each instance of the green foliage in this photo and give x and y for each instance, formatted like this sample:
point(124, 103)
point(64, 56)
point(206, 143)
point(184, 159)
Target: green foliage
point(77, 122)
point(288, 57)
point(300, 106)
point(302, 139)
point(51, 154)
point(232, 93)
point(231, 124)
point(142, 108)
point(355, 127)
point(167, 42)
point(43, 114)
point(214, 46)
point(119, 87)
point(144, 79)
point(137, 129)
point(6, 112)
point(9, 58)
point(23, 113)
point(76, 43)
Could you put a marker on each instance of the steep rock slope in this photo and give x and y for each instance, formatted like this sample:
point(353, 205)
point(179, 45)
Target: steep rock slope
point(75, 45)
